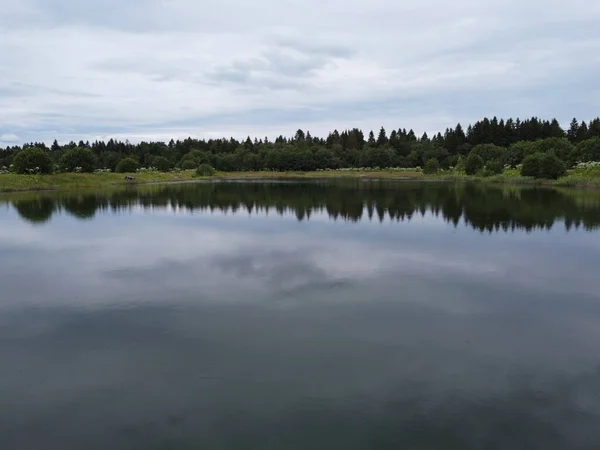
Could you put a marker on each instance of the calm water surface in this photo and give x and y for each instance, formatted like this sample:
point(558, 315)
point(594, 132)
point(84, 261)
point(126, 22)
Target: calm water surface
point(355, 315)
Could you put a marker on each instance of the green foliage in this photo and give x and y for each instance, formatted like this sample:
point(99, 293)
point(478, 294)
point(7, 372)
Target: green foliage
point(78, 159)
point(561, 147)
point(494, 168)
point(586, 151)
point(531, 166)
point(460, 164)
point(205, 170)
point(551, 167)
point(127, 165)
point(489, 152)
point(188, 164)
point(431, 166)
point(507, 142)
point(32, 160)
point(193, 159)
point(474, 164)
point(543, 165)
point(162, 164)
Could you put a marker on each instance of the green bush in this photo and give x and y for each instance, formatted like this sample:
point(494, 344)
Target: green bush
point(489, 152)
point(162, 164)
point(189, 164)
point(474, 164)
point(588, 150)
point(195, 157)
point(460, 164)
point(431, 166)
point(494, 168)
point(80, 157)
point(205, 170)
point(543, 165)
point(551, 167)
point(127, 165)
point(531, 166)
point(32, 160)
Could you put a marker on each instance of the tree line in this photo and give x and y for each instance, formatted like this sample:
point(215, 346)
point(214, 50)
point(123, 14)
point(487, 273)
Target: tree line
point(484, 208)
point(496, 143)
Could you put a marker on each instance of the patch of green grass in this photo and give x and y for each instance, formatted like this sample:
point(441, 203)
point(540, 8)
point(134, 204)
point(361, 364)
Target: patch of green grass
point(14, 182)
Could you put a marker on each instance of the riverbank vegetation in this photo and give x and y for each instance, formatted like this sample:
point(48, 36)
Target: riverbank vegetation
point(498, 150)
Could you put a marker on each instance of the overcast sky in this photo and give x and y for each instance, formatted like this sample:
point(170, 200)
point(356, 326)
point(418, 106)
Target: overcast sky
point(156, 69)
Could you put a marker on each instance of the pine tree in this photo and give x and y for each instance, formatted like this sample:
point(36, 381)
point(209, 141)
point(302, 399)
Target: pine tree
point(573, 130)
point(371, 140)
point(582, 132)
point(382, 139)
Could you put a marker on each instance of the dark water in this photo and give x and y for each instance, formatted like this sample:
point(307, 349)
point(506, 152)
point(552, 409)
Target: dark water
point(358, 315)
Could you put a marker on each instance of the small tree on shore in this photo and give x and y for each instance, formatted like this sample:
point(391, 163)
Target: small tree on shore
point(127, 165)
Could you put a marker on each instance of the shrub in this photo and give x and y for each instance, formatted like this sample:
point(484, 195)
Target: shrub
point(127, 165)
point(162, 164)
point(551, 167)
point(588, 150)
point(494, 168)
point(196, 156)
point(431, 166)
point(531, 166)
point(189, 164)
point(32, 160)
point(78, 158)
point(205, 170)
point(543, 165)
point(474, 164)
point(489, 152)
point(460, 164)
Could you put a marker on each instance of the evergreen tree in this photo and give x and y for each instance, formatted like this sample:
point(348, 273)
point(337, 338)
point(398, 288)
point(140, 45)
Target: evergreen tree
point(382, 138)
point(371, 140)
point(55, 147)
point(573, 130)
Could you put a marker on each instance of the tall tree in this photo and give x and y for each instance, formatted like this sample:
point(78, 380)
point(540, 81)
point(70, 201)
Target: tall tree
point(371, 140)
point(382, 139)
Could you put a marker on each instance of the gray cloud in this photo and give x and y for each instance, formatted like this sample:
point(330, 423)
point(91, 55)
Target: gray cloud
point(155, 69)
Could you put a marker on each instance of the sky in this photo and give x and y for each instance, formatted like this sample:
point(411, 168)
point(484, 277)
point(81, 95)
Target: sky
point(162, 69)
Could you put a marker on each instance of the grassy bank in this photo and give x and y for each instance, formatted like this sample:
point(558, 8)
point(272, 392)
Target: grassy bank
point(13, 182)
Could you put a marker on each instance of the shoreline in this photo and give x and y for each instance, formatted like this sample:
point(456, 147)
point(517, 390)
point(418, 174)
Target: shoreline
point(70, 181)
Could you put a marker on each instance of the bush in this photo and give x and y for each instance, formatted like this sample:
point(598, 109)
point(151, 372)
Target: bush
point(489, 152)
point(588, 150)
point(78, 157)
point(474, 164)
point(551, 167)
point(162, 164)
point(531, 166)
point(543, 165)
point(127, 165)
point(205, 170)
point(32, 160)
point(431, 166)
point(460, 164)
point(494, 168)
point(189, 164)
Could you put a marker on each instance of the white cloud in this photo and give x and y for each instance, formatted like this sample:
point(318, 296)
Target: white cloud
point(150, 69)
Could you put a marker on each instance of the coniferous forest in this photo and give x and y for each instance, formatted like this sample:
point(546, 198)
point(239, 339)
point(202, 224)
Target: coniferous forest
point(494, 143)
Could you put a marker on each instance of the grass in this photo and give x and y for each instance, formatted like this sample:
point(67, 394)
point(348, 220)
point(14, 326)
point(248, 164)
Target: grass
point(13, 182)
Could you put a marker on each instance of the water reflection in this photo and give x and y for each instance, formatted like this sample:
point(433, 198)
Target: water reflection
point(127, 322)
point(485, 208)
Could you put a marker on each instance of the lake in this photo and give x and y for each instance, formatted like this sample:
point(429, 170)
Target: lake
point(300, 315)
